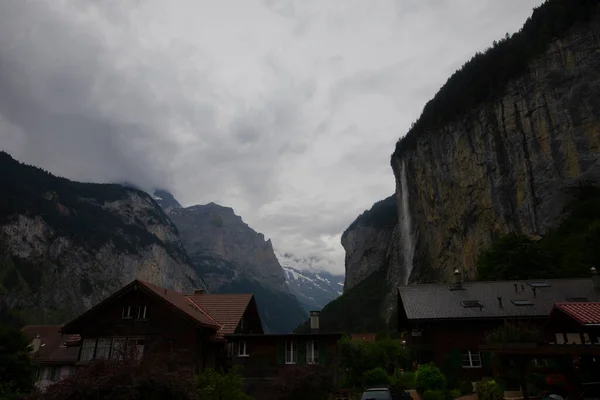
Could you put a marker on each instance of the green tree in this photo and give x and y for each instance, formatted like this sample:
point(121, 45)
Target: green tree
point(514, 256)
point(16, 368)
point(219, 385)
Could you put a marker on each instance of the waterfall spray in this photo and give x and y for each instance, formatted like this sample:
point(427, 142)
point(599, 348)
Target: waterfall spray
point(408, 249)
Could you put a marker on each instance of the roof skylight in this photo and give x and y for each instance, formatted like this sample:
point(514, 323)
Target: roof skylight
point(471, 303)
point(539, 284)
point(522, 302)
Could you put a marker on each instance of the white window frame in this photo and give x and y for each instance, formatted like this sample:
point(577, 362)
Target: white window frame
point(141, 312)
point(88, 350)
point(471, 359)
point(291, 352)
point(243, 349)
point(103, 349)
point(117, 350)
point(126, 313)
point(312, 352)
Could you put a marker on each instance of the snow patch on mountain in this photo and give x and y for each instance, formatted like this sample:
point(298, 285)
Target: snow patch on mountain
point(313, 286)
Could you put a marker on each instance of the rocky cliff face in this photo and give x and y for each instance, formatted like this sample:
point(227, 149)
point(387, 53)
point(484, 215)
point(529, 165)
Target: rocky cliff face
point(64, 246)
point(233, 258)
point(214, 233)
point(506, 165)
point(368, 241)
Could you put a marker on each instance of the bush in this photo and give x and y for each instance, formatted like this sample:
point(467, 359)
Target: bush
point(452, 394)
point(434, 395)
point(150, 379)
point(218, 385)
point(403, 381)
point(429, 377)
point(489, 390)
point(465, 387)
point(375, 376)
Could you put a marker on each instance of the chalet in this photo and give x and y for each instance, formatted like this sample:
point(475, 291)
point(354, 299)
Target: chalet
point(271, 361)
point(143, 318)
point(447, 323)
point(54, 354)
point(196, 330)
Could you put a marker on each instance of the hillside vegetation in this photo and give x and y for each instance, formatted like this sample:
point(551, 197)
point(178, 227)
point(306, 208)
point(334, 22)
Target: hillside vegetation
point(486, 74)
point(568, 251)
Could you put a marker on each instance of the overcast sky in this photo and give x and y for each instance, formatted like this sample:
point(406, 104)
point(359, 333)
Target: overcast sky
point(285, 110)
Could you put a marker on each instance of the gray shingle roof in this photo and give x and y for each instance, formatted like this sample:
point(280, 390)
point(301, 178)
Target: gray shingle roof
point(437, 301)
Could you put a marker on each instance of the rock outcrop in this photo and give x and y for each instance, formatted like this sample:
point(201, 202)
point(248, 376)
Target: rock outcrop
point(234, 258)
point(507, 165)
point(64, 245)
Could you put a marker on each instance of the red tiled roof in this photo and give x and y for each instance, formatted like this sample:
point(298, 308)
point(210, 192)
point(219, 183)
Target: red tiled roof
point(584, 312)
point(225, 308)
point(367, 337)
point(183, 303)
point(52, 346)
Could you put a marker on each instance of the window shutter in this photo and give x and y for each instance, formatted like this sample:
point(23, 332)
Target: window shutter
point(301, 352)
point(486, 360)
point(323, 352)
point(281, 353)
point(456, 358)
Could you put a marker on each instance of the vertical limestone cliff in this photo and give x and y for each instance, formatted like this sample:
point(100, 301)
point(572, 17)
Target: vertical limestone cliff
point(507, 164)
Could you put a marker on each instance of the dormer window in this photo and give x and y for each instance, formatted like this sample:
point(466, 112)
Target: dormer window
point(141, 312)
point(126, 314)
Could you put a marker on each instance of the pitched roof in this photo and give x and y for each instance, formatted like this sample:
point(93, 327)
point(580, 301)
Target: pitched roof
point(183, 303)
point(52, 347)
point(228, 309)
point(437, 301)
point(584, 313)
point(367, 337)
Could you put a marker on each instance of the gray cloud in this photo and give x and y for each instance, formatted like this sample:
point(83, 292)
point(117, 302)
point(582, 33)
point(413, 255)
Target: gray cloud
point(286, 110)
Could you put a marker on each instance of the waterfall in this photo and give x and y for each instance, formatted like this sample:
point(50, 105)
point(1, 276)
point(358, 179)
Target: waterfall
point(408, 248)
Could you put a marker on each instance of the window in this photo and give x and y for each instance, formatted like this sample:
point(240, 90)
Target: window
point(87, 349)
point(229, 350)
point(577, 299)
point(290, 353)
point(522, 302)
point(242, 349)
point(38, 374)
point(312, 352)
point(539, 284)
point(103, 350)
point(471, 303)
point(135, 348)
point(141, 312)
point(126, 312)
point(471, 359)
point(118, 349)
point(54, 374)
point(242, 324)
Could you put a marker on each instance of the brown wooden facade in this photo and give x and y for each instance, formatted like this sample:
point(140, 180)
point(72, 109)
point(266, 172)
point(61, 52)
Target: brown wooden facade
point(269, 361)
point(138, 318)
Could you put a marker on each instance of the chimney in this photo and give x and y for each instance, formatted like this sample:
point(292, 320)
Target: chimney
point(36, 344)
point(516, 287)
point(198, 291)
point(457, 278)
point(314, 321)
point(500, 301)
point(534, 294)
point(595, 278)
point(522, 287)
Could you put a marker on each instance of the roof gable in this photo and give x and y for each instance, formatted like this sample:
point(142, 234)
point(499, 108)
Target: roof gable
point(439, 302)
point(584, 313)
point(178, 301)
